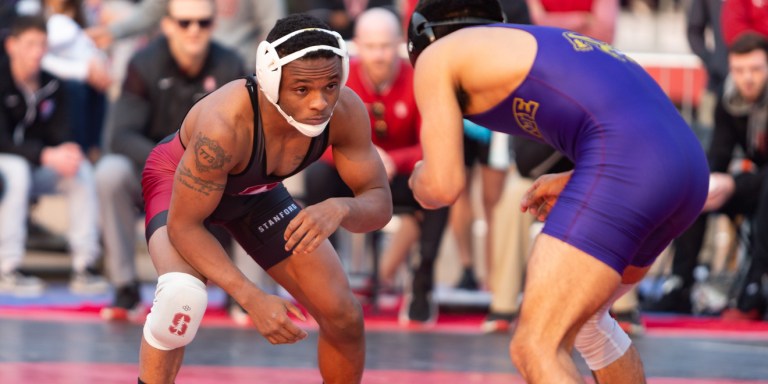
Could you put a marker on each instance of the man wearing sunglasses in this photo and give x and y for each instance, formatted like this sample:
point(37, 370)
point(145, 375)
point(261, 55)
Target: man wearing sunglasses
point(163, 81)
point(240, 24)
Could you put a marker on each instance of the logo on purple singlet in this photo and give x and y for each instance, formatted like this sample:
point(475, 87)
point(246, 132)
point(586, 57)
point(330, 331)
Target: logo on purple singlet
point(525, 115)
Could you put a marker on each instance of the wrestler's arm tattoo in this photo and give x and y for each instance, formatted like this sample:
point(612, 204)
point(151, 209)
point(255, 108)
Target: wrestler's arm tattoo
point(187, 179)
point(209, 155)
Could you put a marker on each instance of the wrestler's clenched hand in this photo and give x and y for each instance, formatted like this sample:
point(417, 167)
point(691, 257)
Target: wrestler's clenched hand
point(269, 314)
point(313, 225)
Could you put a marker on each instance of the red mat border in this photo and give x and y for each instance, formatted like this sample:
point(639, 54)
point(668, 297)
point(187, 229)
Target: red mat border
point(78, 373)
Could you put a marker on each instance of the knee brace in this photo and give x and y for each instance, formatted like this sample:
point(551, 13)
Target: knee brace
point(601, 341)
point(177, 311)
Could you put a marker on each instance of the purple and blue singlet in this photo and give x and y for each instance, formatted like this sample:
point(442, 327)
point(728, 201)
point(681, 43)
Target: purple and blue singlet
point(640, 177)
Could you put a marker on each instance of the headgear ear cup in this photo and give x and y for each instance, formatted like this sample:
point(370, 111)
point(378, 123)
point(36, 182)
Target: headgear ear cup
point(269, 64)
point(268, 72)
point(420, 35)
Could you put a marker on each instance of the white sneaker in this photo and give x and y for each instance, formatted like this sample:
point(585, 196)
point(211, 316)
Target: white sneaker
point(87, 283)
point(18, 284)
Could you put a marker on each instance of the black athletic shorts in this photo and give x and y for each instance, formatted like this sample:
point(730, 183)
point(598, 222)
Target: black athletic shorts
point(258, 223)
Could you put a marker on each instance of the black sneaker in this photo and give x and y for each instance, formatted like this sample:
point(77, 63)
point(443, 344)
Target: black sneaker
point(468, 281)
point(127, 296)
point(418, 309)
point(752, 299)
point(126, 306)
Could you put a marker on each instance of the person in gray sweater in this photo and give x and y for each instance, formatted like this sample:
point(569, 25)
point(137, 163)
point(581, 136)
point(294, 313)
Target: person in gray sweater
point(703, 16)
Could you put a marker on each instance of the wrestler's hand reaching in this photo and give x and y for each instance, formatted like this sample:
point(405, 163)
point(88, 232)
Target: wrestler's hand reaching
point(269, 314)
point(542, 195)
point(313, 225)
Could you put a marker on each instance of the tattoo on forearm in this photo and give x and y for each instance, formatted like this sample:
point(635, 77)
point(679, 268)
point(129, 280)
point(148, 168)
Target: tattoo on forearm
point(209, 154)
point(187, 179)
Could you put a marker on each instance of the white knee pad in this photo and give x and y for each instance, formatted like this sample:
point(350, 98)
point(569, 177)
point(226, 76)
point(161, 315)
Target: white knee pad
point(601, 341)
point(178, 308)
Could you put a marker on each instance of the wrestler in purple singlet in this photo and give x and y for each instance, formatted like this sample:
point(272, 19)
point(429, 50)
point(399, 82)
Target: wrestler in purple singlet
point(627, 140)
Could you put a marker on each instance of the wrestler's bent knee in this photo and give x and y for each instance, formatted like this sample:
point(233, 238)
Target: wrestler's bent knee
point(179, 305)
point(346, 320)
point(601, 341)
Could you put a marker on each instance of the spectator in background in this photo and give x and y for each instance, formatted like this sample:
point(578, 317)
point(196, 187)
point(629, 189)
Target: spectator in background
point(742, 16)
point(703, 17)
point(72, 56)
point(38, 236)
point(163, 81)
point(385, 84)
point(741, 120)
point(37, 156)
point(705, 38)
point(341, 14)
point(593, 18)
point(240, 24)
point(9, 10)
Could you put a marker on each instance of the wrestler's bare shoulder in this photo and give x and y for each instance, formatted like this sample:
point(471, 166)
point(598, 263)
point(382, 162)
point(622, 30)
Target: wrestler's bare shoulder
point(487, 62)
point(228, 107)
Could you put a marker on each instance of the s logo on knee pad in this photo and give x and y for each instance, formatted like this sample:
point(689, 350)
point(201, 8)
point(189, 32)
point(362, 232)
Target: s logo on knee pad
point(168, 326)
point(179, 324)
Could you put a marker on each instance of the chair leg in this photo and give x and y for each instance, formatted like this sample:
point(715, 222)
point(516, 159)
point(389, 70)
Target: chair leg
point(375, 254)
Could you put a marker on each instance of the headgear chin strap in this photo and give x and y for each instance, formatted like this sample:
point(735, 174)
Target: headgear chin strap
point(306, 129)
point(269, 71)
point(421, 35)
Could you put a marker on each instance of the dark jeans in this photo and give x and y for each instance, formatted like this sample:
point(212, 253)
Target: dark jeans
point(754, 205)
point(88, 108)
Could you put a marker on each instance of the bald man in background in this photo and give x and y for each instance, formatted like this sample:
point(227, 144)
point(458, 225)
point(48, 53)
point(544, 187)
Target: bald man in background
point(384, 81)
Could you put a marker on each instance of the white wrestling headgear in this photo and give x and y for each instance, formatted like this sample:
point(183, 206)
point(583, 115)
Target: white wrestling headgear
point(269, 71)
